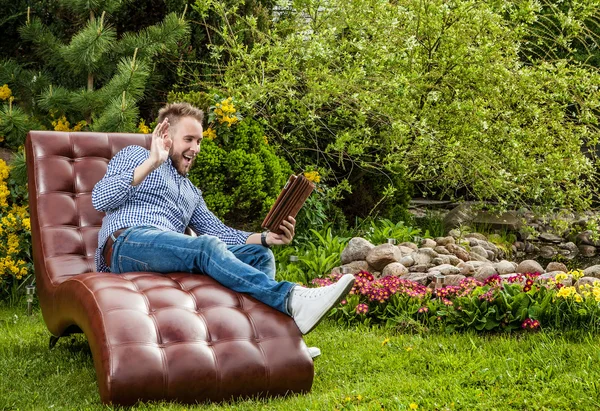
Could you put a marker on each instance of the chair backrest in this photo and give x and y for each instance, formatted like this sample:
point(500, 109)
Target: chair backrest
point(62, 171)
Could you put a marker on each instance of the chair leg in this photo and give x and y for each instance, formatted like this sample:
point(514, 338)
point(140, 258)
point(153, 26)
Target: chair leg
point(53, 341)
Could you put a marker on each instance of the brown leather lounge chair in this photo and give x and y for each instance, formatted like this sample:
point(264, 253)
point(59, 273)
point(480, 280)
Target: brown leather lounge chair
point(181, 336)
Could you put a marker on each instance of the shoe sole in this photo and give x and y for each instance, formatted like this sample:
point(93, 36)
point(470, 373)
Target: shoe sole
point(344, 292)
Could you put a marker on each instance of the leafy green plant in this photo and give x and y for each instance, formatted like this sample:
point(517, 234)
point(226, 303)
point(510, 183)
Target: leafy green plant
point(382, 229)
point(317, 255)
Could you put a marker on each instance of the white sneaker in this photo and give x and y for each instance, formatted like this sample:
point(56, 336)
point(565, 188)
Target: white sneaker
point(314, 352)
point(309, 305)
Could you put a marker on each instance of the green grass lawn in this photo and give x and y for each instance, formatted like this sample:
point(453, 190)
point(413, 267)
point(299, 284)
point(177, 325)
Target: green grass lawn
point(359, 369)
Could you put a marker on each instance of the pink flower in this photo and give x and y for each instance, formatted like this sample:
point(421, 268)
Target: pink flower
point(423, 310)
point(362, 309)
point(530, 324)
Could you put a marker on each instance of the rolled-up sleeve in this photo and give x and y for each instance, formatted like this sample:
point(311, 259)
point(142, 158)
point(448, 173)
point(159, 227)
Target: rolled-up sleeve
point(203, 221)
point(115, 187)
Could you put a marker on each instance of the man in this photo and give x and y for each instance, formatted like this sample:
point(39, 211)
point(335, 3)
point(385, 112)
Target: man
point(149, 202)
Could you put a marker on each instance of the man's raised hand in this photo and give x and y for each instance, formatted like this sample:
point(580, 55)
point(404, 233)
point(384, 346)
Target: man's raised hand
point(161, 143)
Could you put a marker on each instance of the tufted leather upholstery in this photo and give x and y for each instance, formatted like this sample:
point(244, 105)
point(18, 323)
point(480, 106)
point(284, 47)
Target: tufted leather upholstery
point(177, 337)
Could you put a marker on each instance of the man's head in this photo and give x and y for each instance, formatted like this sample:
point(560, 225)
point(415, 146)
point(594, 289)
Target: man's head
point(185, 129)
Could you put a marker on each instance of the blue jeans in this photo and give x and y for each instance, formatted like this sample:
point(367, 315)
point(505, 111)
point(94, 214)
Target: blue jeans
point(244, 268)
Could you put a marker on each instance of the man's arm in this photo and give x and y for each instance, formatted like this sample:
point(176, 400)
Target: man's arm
point(129, 168)
point(115, 188)
point(288, 227)
point(203, 221)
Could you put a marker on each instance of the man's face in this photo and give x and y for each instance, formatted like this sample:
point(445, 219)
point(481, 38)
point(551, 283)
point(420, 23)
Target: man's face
point(186, 136)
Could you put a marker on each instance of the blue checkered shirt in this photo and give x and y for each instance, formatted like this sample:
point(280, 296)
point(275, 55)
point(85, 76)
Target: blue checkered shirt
point(165, 199)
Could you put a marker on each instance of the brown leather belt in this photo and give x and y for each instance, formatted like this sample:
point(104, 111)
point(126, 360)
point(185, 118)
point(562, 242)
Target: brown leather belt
point(107, 252)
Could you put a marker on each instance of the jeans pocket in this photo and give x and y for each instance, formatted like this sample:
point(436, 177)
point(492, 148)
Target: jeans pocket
point(128, 264)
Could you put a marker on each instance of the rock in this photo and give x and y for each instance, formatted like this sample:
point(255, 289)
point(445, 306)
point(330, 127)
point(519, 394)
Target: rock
point(529, 247)
point(587, 250)
point(509, 220)
point(593, 271)
point(407, 261)
point(440, 249)
point(550, 238)
point(505, 267)
point(418, 268)
point(454, 260)
point(473, 242)
point(380, 256)
point(477, 236)
point(410, 245)
point(458, 251)
point(548, 251)
point(586, 280)
point(454, 233)
point(428, 243)
point(466, 269)
point(396, 269)
point(519, 245)
point(484, 272)
point(556, 266)
point(407, 250)
point(490, 255)
point(506, 277)
point(570, 247)
point(585, 238)
point(529, 266)
point(459, 215)
point(421, 278)
point(477, 257)
point(357, 249)
point(446, 269)
point(6, 155)
point(453, 279)
point(479, 250)
point(442, 259)
point(444, 241)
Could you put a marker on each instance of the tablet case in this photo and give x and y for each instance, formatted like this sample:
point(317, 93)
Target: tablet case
point(289, 202)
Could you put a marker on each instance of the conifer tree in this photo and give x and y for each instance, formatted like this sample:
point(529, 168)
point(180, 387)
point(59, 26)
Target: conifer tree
point(95, 73)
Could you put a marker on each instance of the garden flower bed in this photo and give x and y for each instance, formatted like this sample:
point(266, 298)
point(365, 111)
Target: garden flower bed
point(522, 301)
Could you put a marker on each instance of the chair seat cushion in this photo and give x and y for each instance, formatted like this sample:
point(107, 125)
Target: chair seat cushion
point(183, 337)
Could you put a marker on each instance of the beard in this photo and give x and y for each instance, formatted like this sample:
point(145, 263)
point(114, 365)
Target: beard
point(180, 163)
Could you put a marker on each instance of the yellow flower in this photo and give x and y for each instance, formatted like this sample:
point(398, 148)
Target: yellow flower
point(566, 292)
point(577, 274)
point(80, 125)
point(229, 120)
point(384, 342)
point(266, 140)
point(5, 92)
point(560, 276)
point(413, 406)
point(578, 298)
point(143, 128)
point(62, 124)
point(210, 134)
point(313, 176)
point(27, 224)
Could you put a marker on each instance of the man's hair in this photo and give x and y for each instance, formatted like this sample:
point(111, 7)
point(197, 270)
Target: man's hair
point(175, 111)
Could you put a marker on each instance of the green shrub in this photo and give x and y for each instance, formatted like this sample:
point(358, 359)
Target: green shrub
point(237, 169)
